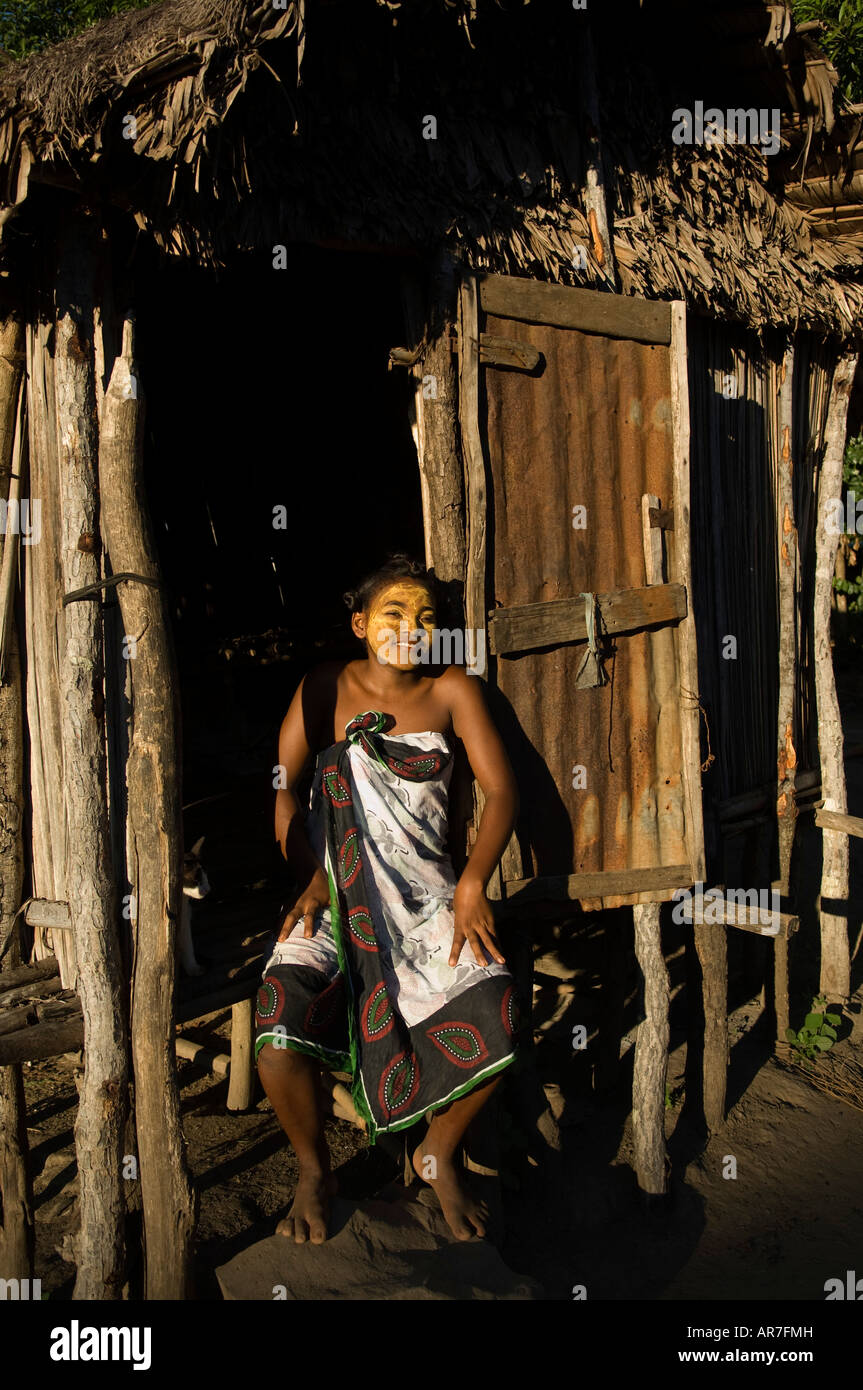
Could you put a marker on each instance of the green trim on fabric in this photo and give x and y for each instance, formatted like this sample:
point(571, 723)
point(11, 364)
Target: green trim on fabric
point(328, 1057)
point(358, 1093)
point(454, 1095)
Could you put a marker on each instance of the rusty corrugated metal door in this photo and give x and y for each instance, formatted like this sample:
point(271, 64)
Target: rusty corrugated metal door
point(578, 485)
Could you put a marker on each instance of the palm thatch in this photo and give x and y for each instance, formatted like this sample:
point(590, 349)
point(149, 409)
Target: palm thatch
point(256, 126)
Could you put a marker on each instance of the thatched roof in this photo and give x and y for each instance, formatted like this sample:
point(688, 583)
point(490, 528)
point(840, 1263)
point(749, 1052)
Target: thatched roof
point(230, 155)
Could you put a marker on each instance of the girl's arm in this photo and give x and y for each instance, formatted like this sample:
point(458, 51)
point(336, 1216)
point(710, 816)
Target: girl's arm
point(295, 752)
point(474, 921)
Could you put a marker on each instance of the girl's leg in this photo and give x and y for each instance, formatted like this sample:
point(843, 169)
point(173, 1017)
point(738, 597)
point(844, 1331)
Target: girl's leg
point(434, 1160)
point(291, 1082)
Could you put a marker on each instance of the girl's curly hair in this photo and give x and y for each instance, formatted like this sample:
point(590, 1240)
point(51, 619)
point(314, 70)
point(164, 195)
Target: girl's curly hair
point(398, 565)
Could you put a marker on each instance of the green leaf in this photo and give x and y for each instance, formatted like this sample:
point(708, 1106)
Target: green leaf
point(822, 1043)
point(812, 1022)
point(835, 1019)
point(791, 1035)
point(828, 1032)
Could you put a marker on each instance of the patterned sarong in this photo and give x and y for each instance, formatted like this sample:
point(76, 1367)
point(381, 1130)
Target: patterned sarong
point(371, 992)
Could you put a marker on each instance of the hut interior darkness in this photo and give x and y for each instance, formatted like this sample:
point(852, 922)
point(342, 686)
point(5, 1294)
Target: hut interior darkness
point(268, 503)
point(257, 257)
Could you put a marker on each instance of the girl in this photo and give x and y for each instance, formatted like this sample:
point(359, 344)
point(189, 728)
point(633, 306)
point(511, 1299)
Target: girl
point(385, 966)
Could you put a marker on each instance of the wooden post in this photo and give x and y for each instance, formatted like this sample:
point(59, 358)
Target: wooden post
point(786, 541)
point(154, 835)
point(241, 1080)
point(16, 1192)
point(835, 956)
point(651, 1053)
point(476, 498)
point(712, 947)
point(435, 422)
point(44, 640)
point(90, 887)
point(594, 192)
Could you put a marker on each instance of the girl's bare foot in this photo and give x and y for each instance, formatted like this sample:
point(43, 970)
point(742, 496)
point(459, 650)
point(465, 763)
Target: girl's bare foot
point(310, 1209)
point(465, 1216)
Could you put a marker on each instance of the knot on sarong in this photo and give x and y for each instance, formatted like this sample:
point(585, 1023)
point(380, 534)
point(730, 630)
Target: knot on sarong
point(365, 729)
point(373, 721)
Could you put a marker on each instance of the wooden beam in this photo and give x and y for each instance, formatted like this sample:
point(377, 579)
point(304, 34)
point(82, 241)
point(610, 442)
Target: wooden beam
point(41, 912)
point(28, 974)
point(741, 915)
point(90, 891)
point(837, 820)
point(154, 835)
point(572, 887)
point(588, 311)
point(39, 988)
point(526, 626)
point(835, 979)
point(40, 1041)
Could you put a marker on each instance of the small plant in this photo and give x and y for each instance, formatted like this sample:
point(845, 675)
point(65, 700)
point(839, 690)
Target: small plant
point(818, 1033)
point(673, 1096)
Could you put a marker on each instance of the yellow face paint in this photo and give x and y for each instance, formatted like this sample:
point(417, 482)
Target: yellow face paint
point(400, 622)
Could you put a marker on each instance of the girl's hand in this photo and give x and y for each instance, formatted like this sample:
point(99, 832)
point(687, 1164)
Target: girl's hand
point(474, 922)
point(308, 904)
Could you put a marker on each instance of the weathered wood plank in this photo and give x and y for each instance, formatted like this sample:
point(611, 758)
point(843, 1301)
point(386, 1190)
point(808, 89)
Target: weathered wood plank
point(837, 820)
point(589, 311)
point(507, 352)
point(572, 887)
point(742, 915)
point(526, 626)
point(41, 912)
point(154, 835)
point(835, 979)
point(680, 562)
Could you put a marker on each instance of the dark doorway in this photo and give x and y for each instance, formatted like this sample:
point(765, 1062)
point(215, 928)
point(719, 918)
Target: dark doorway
point(267, 389)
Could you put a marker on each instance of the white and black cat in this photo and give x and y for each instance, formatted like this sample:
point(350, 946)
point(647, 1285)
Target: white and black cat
point(196, 885)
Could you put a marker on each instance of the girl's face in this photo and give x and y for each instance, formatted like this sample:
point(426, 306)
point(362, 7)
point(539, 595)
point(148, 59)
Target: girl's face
point(398, 624)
